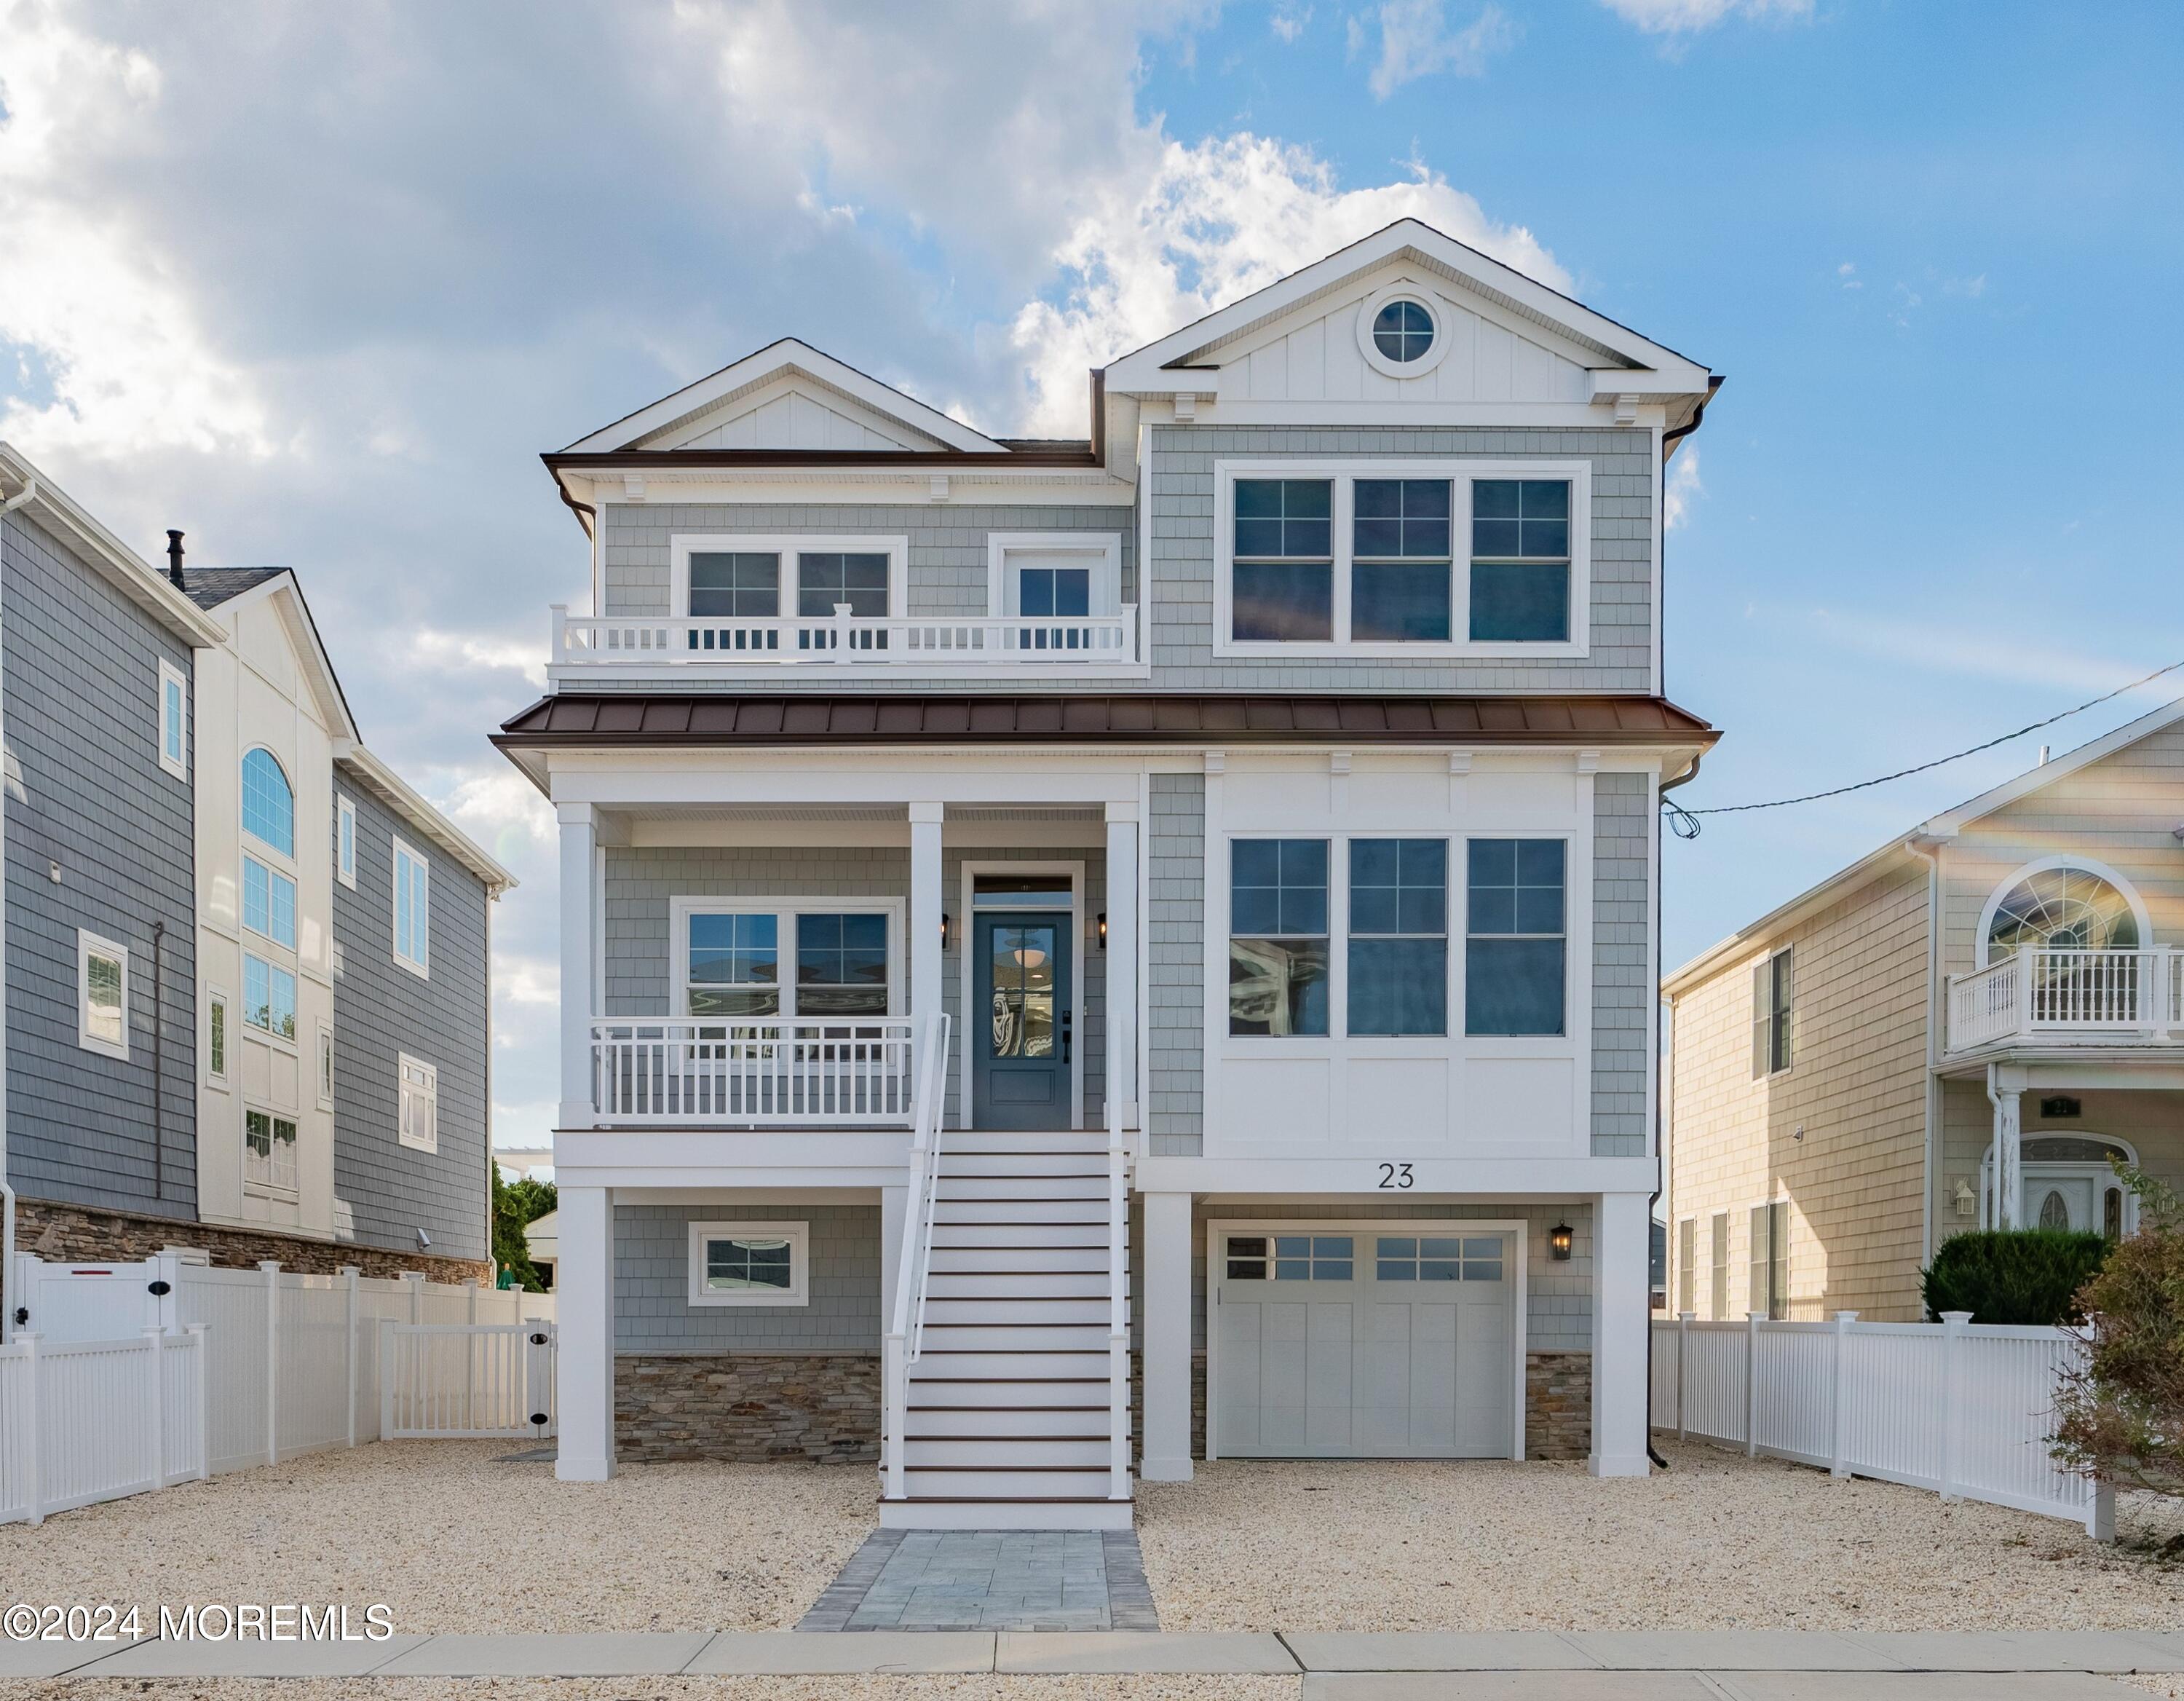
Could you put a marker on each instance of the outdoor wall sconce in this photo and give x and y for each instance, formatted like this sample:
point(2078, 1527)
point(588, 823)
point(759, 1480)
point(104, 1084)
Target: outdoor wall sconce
point(944, 920)
point(1558, 1242)
point(1103, 930)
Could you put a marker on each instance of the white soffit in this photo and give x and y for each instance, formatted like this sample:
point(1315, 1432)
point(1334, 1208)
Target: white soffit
point(823, 380)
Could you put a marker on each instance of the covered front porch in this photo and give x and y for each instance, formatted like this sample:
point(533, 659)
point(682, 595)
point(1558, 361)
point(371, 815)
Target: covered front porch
point(2031, 1141)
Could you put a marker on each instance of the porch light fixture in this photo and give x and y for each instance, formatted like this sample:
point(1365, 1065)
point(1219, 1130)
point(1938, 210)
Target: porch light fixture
point(1558, 1242)
point(944, 919)
point(1103, 930)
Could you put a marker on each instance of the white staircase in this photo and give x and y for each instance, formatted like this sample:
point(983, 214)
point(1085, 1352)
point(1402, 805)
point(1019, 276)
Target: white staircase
point(1008, 1375)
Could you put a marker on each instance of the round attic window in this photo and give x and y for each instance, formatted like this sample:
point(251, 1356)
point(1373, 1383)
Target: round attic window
point(1403, 331)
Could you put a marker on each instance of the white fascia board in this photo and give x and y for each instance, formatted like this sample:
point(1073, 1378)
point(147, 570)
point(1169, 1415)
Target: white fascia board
point(1021, 486)
point(1761, 933)
point(1454, 1177)
point(287, 597)
point(1150, 370)
point(412, 806)
point(1950, 823)
point(786, 355)
point(136, 578)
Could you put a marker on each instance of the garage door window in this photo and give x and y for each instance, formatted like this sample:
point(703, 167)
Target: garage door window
point(1291, 1257)
point(1425, 1258)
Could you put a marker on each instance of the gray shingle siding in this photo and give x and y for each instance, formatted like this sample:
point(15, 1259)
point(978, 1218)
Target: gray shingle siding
point(86, 793)
point(382, 1010)
point(1175, 972)
point(1181, 568)
point(1621, 988)
point(652, 1312)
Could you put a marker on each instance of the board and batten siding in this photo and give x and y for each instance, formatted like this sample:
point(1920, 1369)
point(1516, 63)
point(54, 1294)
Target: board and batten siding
point(1623, 822)
point(1181, 566)
point(382, 1010)
point(652, 1312)
point(1174, 980)
point(1856, 1088)
point(100, 838)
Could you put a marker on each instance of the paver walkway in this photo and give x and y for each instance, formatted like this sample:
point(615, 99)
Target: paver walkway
point(1014, 1579)
point(1518, 1665)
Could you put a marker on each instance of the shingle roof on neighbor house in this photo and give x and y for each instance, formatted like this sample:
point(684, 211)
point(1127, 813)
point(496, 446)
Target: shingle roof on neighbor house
point(1944, 826)
point(210, 587)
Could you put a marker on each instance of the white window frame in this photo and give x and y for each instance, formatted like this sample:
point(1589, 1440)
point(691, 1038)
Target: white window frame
point(1764, 967)
point(1684, 1276)
point(267, 1184)
point(1343, 473)
point(1102, 552)
point(1437, 310)
point(681, 910)
point(295, 901)
point(405, 1094)
point(216, 998)
point(345, 841)
point(422, 967)
point(171, 675)
point(322, 1063)
point(273, 1036)
point(2009, 883)
point(788, 546)
point(799, 1236)
point(89, 945)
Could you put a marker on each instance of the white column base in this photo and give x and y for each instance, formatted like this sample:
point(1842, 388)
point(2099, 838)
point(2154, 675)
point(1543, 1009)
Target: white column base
point(1164, 1471)
point(592, 1470)
point(1165, 1308)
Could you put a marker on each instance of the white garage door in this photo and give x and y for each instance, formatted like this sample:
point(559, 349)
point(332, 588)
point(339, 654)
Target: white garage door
point(1395, 1342)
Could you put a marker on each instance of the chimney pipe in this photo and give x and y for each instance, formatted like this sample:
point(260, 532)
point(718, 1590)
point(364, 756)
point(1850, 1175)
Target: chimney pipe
point(174, 557)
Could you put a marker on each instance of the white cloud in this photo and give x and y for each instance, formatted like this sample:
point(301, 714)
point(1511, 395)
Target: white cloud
point(1683, 17)
point(1416, 42)
point(1682, 488)
point(1211, 223)
point(1289, 20)
point(1847, 273)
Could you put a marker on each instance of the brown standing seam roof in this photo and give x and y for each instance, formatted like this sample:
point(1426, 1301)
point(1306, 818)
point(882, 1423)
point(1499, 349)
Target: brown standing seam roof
point(719, 719)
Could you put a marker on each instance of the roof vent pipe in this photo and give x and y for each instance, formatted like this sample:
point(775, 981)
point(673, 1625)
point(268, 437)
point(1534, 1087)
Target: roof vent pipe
point(174, 557)
point(2044, 752)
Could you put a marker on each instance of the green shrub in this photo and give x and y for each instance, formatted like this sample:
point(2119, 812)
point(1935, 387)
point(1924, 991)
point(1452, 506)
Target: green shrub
point(2013, 1275)
point(2122, 1410)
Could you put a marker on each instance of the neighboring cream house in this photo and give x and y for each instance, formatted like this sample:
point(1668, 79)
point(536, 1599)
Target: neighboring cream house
point(1960, 1030)
point(1230, 837)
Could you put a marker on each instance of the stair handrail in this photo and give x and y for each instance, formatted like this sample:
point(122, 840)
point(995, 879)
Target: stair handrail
point(1118, 1315)
point(906, 1326)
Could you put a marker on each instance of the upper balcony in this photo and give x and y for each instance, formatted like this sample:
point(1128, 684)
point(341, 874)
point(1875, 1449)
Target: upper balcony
point(843, 644)
point(2047, 998)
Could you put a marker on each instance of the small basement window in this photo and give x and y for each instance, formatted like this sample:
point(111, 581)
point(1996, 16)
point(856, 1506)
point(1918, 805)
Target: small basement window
point(750, 1263)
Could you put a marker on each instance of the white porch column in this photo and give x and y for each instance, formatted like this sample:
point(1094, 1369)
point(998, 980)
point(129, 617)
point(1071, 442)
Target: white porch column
point(1163, 1311)
point(926, 899)
point(579, 847)
point(584, 1369)
point(1622, 1250)
point(1123, 961)
point(894, 1207)
point(2005, 1166)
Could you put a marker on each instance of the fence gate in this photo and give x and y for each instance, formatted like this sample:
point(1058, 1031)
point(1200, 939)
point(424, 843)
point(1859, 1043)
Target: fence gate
point(455, 1381)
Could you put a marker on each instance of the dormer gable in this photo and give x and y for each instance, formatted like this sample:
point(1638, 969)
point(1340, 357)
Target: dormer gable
point(789, 396)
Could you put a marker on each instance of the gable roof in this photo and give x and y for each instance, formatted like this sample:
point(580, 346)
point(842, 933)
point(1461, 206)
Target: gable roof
point(1623, 361)
point(1948, 825)
point(210, 587)
point(718, 393)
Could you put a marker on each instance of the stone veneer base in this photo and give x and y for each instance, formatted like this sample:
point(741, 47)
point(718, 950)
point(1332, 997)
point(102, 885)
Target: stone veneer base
point(747, 1409)
point(1557, 1405)
point(72, 1234)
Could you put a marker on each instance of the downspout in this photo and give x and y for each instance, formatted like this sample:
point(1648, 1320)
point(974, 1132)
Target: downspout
point(158, 1059)
point(7, 1193)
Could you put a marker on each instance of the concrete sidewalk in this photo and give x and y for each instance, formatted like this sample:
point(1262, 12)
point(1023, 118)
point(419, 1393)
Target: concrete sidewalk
point(1543, 1665)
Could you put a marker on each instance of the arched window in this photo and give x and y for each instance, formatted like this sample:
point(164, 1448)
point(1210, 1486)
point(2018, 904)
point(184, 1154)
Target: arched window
point(269, 805)
point(2063, 908)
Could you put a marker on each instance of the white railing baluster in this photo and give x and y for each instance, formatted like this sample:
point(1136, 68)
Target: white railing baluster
point(769, 1072)
point(914, 641)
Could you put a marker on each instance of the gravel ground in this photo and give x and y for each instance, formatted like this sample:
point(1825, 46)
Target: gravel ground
point(1717, 1541)
point(453, 1540)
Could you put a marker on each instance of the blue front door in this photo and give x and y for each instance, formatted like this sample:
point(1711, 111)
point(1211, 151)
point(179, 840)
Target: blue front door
point(1019, 1022)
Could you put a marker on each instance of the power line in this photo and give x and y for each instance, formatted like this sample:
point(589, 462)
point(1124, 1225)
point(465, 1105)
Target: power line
point(1684, 822)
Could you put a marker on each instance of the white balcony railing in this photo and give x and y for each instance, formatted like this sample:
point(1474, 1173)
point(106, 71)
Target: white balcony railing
point(934, 643)
point(2064, 997)
point(769, 1072)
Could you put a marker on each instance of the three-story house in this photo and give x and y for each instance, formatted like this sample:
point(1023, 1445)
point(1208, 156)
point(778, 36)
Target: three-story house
point(1082, 956)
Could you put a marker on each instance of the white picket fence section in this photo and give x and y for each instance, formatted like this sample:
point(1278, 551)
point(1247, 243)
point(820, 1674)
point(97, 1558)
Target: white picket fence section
point(451, 1381)
point(251, 1366)
point(1965, 1410)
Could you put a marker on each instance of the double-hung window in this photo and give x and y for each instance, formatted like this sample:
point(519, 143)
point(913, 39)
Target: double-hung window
point(1520, 560)
point(1516, 956)
point(1282, 578)
point(268, 996)
point(843, 960)
point(1400, 560)
point(1390, 557)
point(1278, 933)
point(419, 1108)
point(1687, 1258)
point(269, 902)
point(269, 1149)
point(1398, 967)
point(345, 842)
point(1718, 1267)
point(101, 990)
point(412, 910)
point(1769, 1264)
point(826, 582)
point(1772, 1015)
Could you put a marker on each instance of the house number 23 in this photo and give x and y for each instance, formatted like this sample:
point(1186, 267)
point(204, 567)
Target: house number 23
point(1396, 1176)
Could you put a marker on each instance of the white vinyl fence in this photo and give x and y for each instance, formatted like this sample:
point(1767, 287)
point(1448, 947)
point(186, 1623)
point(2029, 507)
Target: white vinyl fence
point(1965, 1410)
point(250, 1367)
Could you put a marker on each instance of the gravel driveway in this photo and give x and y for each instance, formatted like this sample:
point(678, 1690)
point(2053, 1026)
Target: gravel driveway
point(1717, 1541)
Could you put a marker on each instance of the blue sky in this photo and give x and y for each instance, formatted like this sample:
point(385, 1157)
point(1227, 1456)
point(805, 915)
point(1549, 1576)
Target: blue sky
point(318, 284)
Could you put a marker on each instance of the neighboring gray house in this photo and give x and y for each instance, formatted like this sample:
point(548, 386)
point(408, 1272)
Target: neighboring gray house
point(223, 1028)
point(1247, 812)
